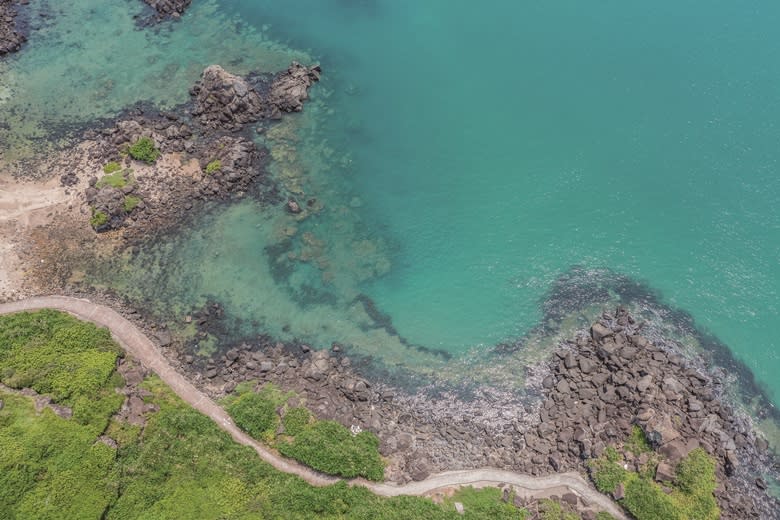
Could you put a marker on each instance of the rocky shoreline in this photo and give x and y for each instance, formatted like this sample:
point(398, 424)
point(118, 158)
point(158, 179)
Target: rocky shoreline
point(205, 148)
point(586, 396)
point(12, 37)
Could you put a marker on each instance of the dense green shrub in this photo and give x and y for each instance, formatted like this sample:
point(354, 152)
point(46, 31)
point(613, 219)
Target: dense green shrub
point(254, 414)
point(696, 482)
point(329, 447)
point(58, 355)
point(98, 219)
point(647, 501)
point(691, 494)
point(144, 150)
point(295, 420)
point(637, 443)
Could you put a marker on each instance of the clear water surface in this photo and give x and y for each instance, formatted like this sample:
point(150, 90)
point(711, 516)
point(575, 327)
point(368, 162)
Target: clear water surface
point(463, 155)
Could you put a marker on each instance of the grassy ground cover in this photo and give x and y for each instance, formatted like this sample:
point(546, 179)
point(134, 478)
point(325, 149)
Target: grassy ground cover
point(326, 446)
point(180, 465)
point(688, 497)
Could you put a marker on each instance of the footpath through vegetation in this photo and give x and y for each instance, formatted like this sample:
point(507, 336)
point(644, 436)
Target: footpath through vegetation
point(179, 461)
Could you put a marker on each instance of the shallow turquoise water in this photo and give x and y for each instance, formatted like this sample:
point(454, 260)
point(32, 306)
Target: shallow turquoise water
point(465, 155)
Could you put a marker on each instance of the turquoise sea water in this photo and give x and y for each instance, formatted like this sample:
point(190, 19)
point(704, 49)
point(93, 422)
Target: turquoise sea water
point(464, 156)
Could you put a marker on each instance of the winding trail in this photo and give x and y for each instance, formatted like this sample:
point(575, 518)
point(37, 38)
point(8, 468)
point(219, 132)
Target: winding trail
point(137, 344)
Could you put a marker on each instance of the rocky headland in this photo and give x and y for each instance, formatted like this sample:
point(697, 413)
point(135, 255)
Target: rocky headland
point(201, 151)
point(12, 37)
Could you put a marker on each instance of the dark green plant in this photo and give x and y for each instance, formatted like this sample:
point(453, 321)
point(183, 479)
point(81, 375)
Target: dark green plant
point(329, 447)
point(99, 219)
point(647, 501)
point(144, 150)
point(607, 474)
point(295, 420)
point(214, 166)
point(254, 414)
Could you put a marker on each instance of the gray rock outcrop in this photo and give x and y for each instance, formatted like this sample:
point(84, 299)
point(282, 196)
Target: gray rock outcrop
point(224, 100)
point(290, 88)
point(11, 38)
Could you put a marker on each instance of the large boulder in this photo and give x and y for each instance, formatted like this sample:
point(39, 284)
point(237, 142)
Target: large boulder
point(659, 430)
point(224, 100)
point(290, 88)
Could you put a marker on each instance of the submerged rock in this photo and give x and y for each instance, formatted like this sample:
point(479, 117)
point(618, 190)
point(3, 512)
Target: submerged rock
point(168, 8)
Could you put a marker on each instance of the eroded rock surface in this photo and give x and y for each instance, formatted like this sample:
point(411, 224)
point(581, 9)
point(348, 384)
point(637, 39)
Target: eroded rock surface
point(168, 8)
point(11, 37)
point(224, 100)
point(290, 88)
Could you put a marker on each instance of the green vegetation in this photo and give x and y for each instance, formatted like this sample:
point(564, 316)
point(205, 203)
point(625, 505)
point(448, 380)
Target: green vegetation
point(98, 218)
point(637, 443)
point(118, 179)
point(485, 503)
point(553, 511)
point(111, 167)
point(144, 150)
point(296, 420)
point(180, 465)
point(329, 447)
point(51, 467)
point(254, 414)
point(214, 166)
point(690, 496)
point(131, 202)
point(326, 446)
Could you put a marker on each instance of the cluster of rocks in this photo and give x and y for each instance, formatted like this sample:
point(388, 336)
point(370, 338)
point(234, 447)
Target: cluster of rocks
point(290, 88)
point(605, 382)
point(168, 8)
point(11, 37)
point(228, 163)
point(134, 409)
point(421, 433)
point(41, 401)
point(228, 102)
point(224, 100)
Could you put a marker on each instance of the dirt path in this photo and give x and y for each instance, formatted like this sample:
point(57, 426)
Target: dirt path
point(141, 347)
